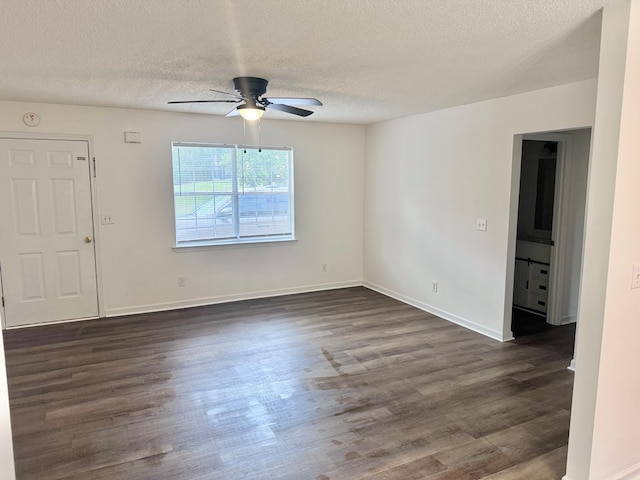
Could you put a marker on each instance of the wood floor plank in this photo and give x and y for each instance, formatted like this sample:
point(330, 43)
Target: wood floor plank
point(343, 384)
point(543, 467)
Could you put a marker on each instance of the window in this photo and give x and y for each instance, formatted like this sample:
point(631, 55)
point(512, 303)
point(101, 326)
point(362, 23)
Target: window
point(232, 194)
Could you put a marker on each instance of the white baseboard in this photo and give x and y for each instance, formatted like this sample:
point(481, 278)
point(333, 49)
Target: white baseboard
point(567, 319)
point(54, 322)
point(489, 332)
point(572, 365)
point(199, 302)
point(631, 473)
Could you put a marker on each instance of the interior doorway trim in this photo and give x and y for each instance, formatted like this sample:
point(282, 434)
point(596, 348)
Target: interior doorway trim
point(94, 205)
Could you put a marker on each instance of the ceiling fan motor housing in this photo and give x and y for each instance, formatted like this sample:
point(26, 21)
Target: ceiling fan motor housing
point(250, 87)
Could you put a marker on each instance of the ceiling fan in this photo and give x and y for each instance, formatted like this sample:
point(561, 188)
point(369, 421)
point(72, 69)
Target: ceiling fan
point(249, 92)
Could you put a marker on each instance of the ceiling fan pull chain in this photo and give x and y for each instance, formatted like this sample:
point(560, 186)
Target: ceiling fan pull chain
point(244, 133)
point(242, 168)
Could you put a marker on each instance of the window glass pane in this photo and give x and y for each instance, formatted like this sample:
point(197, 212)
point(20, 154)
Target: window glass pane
point(263, 170)
point(224, 193)
point(200, 175)
point(264, 213)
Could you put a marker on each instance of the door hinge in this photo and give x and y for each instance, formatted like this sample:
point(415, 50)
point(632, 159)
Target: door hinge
point(94, 167)
point(3, 301)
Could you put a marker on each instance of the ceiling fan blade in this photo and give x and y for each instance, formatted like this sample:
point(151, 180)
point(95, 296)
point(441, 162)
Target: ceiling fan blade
point(294, 101)
point(205, 101)
point(289, 109)
point(227, 93)
point(233, 113)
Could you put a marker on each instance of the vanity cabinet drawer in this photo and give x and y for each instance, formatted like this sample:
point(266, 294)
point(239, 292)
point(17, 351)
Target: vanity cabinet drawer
point(538, 287)
point(540, 272)
point(538, 302)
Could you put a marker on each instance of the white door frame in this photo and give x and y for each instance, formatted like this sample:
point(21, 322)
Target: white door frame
point(559, 235)
point(94, 209)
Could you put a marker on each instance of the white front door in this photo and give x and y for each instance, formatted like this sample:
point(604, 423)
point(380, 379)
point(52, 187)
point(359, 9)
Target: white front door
point(47, 255)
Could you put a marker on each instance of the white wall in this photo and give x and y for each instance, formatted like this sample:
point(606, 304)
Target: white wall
point(576, 196)
point(601, 185)
point(429, 177)
point(604, 420)
point(7, 471)
point(134, 185)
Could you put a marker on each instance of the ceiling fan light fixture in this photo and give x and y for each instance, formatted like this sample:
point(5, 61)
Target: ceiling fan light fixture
point(251, 112)
point(250, 93)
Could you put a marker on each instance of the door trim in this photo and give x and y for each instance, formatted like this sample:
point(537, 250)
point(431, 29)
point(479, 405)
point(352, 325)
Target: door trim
point(94, 209)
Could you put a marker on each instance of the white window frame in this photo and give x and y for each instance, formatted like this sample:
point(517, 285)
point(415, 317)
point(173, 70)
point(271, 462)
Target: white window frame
point(235, 194)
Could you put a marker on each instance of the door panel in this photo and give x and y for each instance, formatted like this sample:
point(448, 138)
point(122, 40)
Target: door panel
point(48, 271)
point(25, 202)
point(64, 206)
point(31, 276)
point(69, 279)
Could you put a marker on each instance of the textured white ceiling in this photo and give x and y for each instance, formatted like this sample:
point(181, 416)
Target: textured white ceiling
point(367, 60)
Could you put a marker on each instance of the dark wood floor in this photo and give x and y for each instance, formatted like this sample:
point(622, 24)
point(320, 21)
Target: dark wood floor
point(344, 384)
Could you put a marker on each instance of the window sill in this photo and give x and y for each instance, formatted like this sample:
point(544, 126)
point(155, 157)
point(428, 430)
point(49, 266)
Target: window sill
point(196, 246)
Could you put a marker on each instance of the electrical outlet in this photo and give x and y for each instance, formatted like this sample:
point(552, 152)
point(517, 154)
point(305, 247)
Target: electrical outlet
point(106, 219)
point(635, 281)
point(434, 287)
point(481, 224)
point(323, 267)
point(181, 281)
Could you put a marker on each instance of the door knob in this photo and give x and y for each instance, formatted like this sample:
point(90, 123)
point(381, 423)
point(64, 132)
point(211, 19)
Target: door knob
point(88, 239)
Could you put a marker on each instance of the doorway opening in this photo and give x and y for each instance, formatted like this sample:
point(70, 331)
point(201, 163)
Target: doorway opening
point(547, 222)
point(534, 237)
